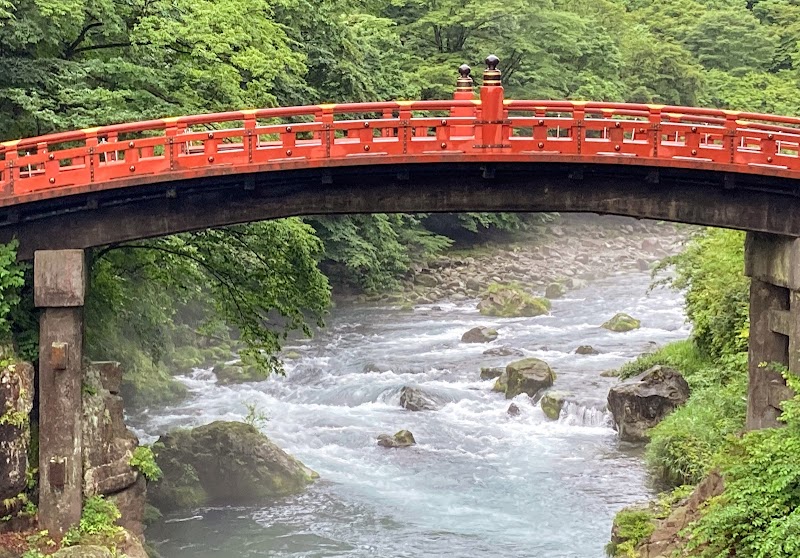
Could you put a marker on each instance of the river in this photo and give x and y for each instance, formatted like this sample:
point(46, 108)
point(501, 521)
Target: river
point(478, 482)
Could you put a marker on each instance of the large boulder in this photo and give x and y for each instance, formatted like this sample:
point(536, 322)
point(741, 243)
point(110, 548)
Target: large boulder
point(643, 401)
point(16, 402)
point(529, 375)
point(510, 301)
point(622, 322)
point(401, 439)
point(414, 399)
point(223, 463)
point(479, 335)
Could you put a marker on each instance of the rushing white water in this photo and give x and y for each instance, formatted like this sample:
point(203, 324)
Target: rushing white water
point(479, 482)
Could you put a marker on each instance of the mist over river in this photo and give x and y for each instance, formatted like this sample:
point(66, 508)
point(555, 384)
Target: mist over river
point(479, 482)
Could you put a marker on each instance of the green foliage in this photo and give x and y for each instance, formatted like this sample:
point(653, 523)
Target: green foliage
point(144, 461)
point(370, 252)
point(255, 416)
point(97, 525)
point(632, 526)
point(717, 292)
point(12, 279)
point(682, 355)
point(758, 515)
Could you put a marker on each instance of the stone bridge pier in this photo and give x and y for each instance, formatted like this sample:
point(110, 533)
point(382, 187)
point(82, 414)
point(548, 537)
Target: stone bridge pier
point(773, 264)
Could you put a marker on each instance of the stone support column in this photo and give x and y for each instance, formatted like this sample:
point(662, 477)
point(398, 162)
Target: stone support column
point(59, 289)
point(773, 263)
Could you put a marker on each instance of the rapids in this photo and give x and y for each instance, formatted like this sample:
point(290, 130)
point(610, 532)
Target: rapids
point(479, 483)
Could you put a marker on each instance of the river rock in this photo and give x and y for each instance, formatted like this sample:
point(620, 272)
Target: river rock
point(479, 335)
point(401, 439)
point(622, 322)
point(491, 372)
point(586, 350)
point(16, 402)
point(529, 375)
point(426, 280)
point(510, 301)
point(223, 463)
point(643, 401)
point(502, 383)
point(552, 402)
point(513, 410)
point(414, 399)
point(505, 350)
point(237, 372)
point(555, 290)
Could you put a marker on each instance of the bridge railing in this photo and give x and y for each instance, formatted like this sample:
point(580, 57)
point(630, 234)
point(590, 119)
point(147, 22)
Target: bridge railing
point(463, 129)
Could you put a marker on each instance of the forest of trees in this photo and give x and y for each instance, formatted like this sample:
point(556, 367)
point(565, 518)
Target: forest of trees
point(77, 63)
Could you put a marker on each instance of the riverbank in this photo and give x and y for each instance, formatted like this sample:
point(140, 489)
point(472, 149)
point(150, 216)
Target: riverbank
point(572, 251)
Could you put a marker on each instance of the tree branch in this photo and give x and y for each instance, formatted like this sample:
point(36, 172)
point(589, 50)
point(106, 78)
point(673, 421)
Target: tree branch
point(71, 49)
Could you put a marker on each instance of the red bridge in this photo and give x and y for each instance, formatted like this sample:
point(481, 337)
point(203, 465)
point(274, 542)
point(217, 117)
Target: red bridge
point(63, 193)
point(704, 166)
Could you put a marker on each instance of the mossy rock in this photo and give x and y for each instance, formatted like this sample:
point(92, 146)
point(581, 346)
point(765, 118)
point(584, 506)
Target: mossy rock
point(402, 439)
point(491, 372)
point(184, 359)
point(529, 376)
point(502, 383)
point(555, 290)
point(479, 335)
point(238, 373)
point(223, 463)
point(622, 322)
point(552, 402)
point(511, 301)
point(291, 355)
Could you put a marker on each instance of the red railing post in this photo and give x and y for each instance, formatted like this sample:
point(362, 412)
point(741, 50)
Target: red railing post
point(731, 138)
point(492, 121)
point(655, 128)
point(464, 92)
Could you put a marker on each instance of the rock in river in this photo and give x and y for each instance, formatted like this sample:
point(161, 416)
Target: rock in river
point(622, 322)
point(529, 375)
point(510, 301)
point(479, 335)
point(586, 350)
point(552, 402)
point(402, 439)
point(491, 372)
point(555, 290)
point(641, 402)
point(223, 463)
point(414, 399)
point(505, 350)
